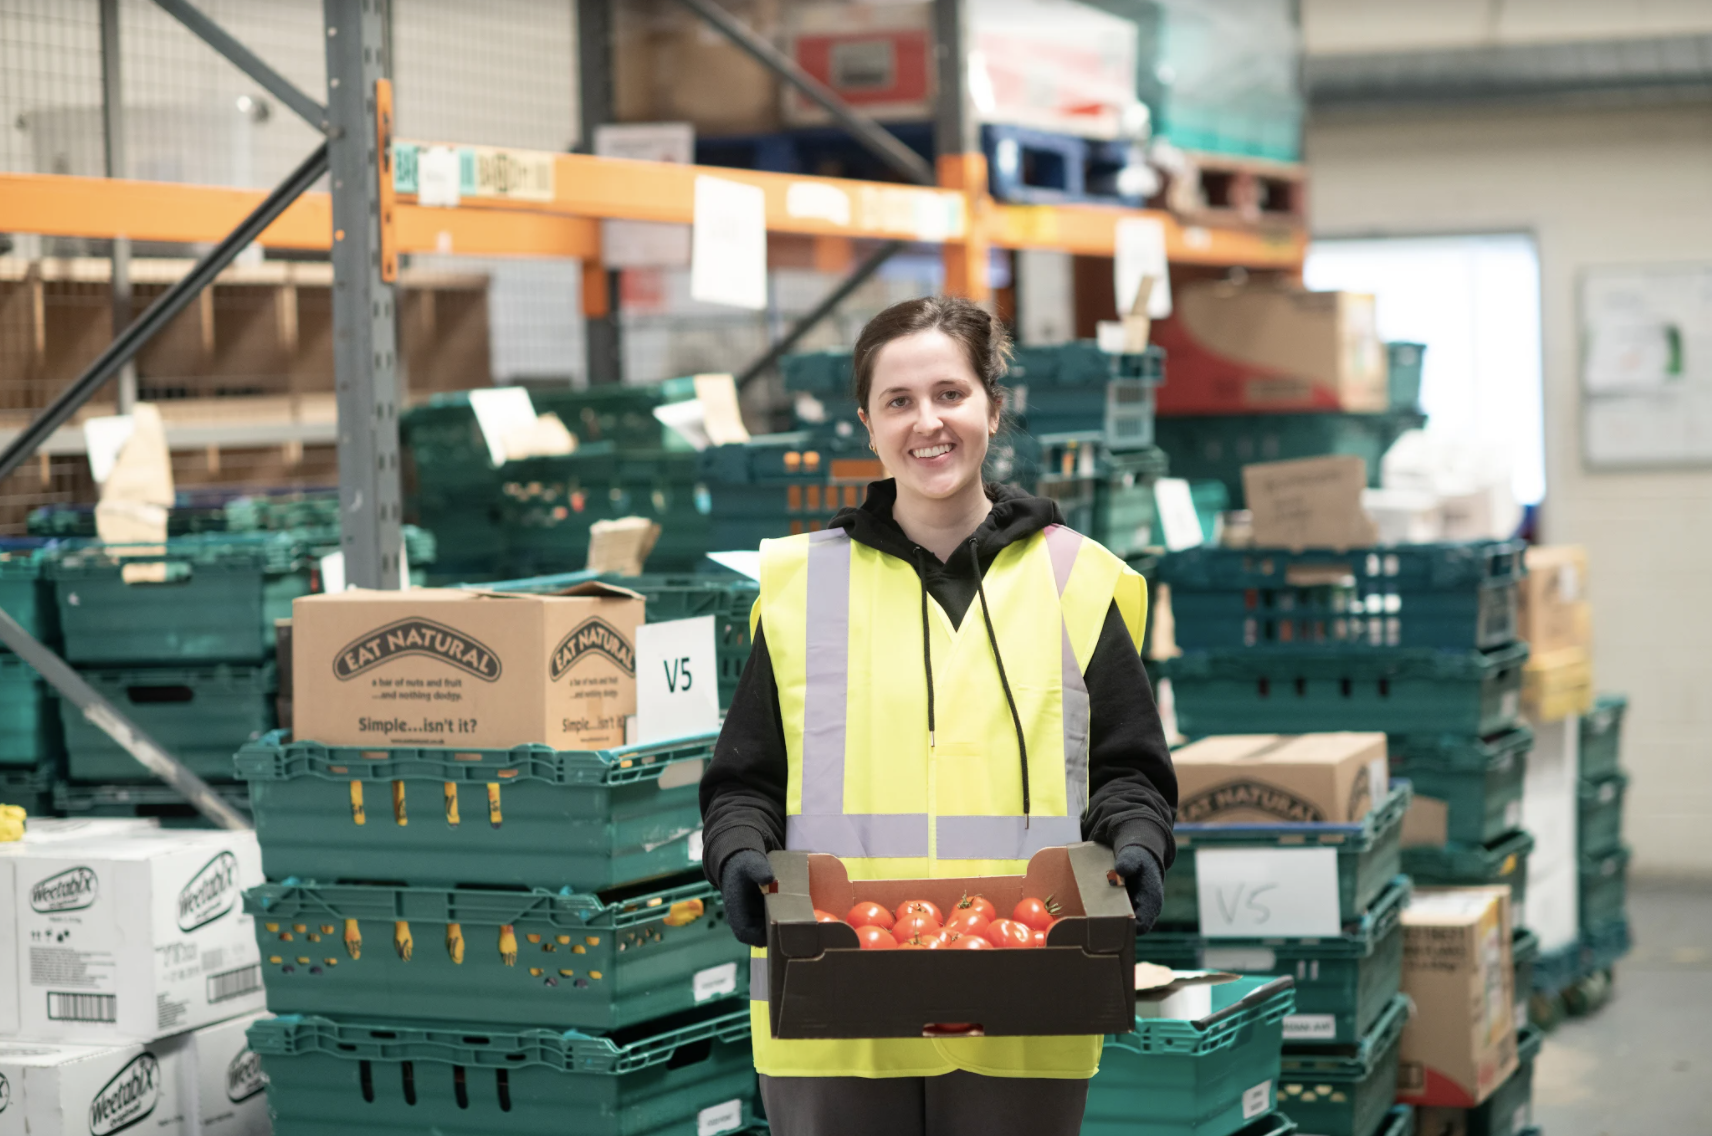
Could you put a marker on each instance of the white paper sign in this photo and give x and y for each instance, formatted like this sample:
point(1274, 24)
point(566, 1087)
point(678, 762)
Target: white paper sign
point(499, 411)
point(1140, 252)
point(677, 679)
point(715, 981)
point(1256, 1100)
point(1310, 1027)
point(693, 847)
point(728, 261)
point(645, 244)
point(104, 438)
point(1253, 893)
point(437, 181)
point(1177, 514)
point(714, 1119)
point(743, 561)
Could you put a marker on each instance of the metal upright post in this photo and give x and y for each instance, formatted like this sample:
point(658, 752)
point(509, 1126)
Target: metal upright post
point(957, 142)
point(113, 154)
point(603, 345)
point(365, 335)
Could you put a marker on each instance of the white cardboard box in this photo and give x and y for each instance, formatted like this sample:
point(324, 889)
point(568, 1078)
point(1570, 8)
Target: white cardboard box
point(224, 1087)
point(131, 937)
point(1551, 806)
point(99, 1090)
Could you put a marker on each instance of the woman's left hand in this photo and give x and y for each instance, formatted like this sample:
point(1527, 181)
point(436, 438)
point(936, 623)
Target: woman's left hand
point(1146, 882)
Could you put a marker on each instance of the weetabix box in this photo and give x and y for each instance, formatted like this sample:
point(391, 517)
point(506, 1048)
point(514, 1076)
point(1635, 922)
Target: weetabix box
point(73, 1089)
point(453, 667)
point(222, 1083)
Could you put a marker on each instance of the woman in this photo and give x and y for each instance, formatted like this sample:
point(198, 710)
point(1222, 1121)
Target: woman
point(943, 682)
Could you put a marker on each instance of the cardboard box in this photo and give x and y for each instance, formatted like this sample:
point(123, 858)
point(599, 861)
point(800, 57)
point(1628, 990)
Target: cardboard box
point(1557, 684)
point(1245, 348)
point(448, 667)
point(1267, 778)
point(221, 1081)
point(1551, 812)
point(822, 985)
point(671, 66)
point(73, 1089)
point(130, 937)
point(1308, 503)
point(1461, 1043)
point(1553, 611)
point(1053, 65)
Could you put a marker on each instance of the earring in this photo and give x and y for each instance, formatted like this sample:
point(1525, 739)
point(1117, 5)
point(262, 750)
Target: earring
point(871, 448)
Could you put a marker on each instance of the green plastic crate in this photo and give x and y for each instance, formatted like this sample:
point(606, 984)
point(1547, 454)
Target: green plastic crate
point(596, 962)
point(727, 598)
point(1339, 1093)
point(1479, 780)
point(1402, 692)
point(1524, 952)
point(26, 595)
point(1500, 861)
point(161, 803)
point(1451, 596)
point(200, 715)
point(1343, 984)
point(1215, 447)
point(1604, 944)
point(28, 731)
point(1602, 736)
point(691, 1077)
point(271, 512)
point(1604, 887)
point(1211, 1077)
point(1601, 819)
point(1125, 512)
point(1403, 374)
point(529, 816)
point(1367, 856)
point(1400, 1121)
point(29, 788)
point(1509, 1111)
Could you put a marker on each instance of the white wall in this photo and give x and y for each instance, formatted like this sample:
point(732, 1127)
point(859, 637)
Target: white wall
point(1596, 188)
point(1340, 26)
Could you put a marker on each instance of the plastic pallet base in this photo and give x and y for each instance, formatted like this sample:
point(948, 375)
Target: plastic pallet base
point(529, 816)
point(1403, 691)
point(1346, 1095)
point(1367, 856)
point(329, 1078)
point(1343, 985)
point(501, 958)
point(200, 715)
point(1478, 780)
point(1198, 1079)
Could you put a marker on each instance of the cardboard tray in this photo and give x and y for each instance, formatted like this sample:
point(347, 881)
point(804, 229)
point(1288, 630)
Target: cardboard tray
point(822, 985)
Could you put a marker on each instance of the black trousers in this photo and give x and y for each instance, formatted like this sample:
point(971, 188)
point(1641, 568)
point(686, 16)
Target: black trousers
point(952, 1104)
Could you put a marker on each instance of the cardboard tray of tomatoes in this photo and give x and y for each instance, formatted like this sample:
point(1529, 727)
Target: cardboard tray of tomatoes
point(822, 984)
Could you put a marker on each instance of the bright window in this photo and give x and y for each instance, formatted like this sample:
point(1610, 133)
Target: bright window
point(1475, 302)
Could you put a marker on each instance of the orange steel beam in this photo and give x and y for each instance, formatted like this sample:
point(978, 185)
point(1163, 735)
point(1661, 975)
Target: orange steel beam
point(1091, 230)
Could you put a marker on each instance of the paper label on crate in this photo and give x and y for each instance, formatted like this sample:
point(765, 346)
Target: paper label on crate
point(677, 679)
point(693, 847)
point(1257, 1100)
point(1379, 781)
point(1239, 960)
point(1139, 253)
point(1267, 892)
point(728, 248)
point(1513, 815)
point(1177, 516)
point(1522, 1013)
point(715, 981)
point(1511, 704)
point(726, 1117)
point(437, 177)
point(1310, 1027)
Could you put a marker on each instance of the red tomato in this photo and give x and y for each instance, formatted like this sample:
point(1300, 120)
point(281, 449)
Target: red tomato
point(1037, 914)
point(1010, 934)
point(869, 914)
point(930, 943)
point(1037, 939)
point(915, 925)
point(966, 943)
point(874, 938)
point(919, 907)
point(825, 917)
point(968, 922)
point(978, 903)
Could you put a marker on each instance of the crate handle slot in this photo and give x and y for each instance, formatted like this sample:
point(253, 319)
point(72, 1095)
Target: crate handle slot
point(149, 695)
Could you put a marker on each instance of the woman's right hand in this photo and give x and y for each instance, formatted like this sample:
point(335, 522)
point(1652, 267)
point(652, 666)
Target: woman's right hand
point(740, 884)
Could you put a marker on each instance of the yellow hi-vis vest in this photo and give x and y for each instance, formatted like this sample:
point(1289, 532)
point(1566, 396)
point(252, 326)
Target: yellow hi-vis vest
point(844, 629)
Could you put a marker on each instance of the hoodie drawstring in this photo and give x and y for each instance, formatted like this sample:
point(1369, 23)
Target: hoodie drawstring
point(926, 645)
point(1005, 682)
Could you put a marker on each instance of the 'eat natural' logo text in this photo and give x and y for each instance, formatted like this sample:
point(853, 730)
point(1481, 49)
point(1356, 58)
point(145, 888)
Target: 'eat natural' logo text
point(421, 637)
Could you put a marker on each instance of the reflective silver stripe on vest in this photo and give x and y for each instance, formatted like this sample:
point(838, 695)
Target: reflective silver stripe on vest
point(857, 834)
point(1004, 837)
point(757, 979)
point(1063, 544)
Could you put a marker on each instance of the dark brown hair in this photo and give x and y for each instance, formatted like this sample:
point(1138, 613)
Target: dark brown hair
point(980, 334)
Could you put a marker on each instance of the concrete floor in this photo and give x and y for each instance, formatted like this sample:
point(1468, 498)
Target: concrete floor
point(1641, 1065)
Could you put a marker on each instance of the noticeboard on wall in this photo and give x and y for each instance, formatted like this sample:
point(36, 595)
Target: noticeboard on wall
point(1646, 366)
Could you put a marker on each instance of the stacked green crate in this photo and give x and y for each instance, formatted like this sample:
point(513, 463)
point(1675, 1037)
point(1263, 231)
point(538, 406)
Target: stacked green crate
point(1603, 855)
point(543, 956)
point(29, 728)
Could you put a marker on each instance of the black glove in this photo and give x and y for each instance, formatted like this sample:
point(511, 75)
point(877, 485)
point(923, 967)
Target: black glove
point(1146, 882)
point(740, 884)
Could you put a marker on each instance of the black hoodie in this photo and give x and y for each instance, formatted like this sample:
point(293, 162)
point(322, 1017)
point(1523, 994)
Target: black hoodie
point(1132, 786)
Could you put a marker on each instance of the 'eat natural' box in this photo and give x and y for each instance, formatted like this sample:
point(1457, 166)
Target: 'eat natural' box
point(451, 667)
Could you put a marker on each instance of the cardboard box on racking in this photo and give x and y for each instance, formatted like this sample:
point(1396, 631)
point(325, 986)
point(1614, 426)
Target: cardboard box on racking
point(130, 937)
point(450, 667)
